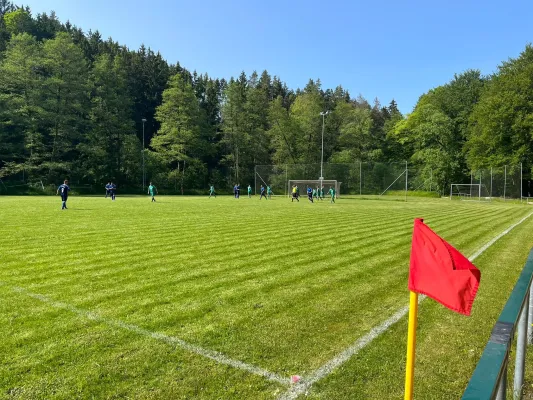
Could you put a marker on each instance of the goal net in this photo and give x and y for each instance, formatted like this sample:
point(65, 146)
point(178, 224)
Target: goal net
point(313, 184)
point(472, 191)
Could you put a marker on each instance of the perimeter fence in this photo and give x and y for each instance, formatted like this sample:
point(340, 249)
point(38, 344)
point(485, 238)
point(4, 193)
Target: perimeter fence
point(358, 178)
point(399, 178)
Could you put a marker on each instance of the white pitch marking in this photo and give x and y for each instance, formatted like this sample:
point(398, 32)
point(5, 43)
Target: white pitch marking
point(174, 341)
point(306, 382)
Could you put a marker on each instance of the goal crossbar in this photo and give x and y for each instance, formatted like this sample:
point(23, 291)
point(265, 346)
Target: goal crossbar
point(470, 191)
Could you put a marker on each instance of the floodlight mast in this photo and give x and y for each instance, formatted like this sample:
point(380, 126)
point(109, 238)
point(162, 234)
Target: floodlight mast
point(144, 172)
point(322, 152)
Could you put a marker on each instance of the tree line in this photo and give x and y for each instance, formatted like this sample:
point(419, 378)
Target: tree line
point(75, 105)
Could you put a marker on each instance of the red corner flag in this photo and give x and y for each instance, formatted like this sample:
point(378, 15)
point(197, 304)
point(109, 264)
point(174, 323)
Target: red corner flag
point(440, 271)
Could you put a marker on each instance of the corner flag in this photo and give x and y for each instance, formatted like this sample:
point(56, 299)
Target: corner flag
point(441, 272)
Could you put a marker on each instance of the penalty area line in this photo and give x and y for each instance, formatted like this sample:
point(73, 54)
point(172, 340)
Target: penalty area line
point(171, 340)
point(306, 382)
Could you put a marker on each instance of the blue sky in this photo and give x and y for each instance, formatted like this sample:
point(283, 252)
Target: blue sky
point(381, 49)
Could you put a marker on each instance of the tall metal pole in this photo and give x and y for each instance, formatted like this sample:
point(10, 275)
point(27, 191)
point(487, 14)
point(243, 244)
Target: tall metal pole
point(406, 175)
point(286, 177)
point(490, 183)
point(182, 175)
point(144, 171)
point(504, 182)
point(322, 152)
point(480, 184)
point(521, 192)
point(471, 182)
point(360, 178)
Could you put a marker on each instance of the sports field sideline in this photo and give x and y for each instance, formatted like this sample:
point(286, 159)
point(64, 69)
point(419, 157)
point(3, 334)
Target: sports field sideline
point(193, 297)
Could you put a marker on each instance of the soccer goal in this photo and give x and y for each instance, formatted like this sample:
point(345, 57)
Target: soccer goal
point(472, 191)
point(314, 183)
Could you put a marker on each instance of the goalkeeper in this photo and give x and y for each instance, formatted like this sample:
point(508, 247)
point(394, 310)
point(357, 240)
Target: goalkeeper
point(212, 191)
point(269, 192)
point(295, 194)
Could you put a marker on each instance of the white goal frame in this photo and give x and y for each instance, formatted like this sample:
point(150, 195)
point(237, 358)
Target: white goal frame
point(469, 191)
point(313, 183)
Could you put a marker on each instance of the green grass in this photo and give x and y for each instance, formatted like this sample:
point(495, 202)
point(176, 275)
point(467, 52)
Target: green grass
point(275, 284)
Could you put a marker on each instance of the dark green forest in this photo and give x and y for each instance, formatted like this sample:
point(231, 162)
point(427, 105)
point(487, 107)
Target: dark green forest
point(72, 105)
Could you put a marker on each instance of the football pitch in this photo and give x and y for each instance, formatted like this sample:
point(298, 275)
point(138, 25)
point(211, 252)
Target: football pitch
point(220, 298)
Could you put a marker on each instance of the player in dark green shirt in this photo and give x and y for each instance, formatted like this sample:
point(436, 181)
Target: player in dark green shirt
point(332, 194)
point(212, 191)
point(269, 192)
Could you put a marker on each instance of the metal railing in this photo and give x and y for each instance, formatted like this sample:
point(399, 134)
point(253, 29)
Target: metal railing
point(489, 380)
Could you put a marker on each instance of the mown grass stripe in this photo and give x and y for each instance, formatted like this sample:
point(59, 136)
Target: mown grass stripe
point(173, 341)
point(338, 238)
point(305, 384)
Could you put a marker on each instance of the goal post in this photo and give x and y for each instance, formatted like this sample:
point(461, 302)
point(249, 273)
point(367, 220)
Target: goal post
point(314, 183)
point(469, 191)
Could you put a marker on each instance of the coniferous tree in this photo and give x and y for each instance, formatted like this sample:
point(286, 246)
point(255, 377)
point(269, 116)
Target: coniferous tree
point(65, 102)
point(234, 124)
point(103, 150)
point(179, 137)
point(21, 114)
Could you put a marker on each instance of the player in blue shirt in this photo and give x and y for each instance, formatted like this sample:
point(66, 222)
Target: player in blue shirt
point(63, 190)
point(310, 194)
point(113, 190)
point(107, 189)
point(263, 194)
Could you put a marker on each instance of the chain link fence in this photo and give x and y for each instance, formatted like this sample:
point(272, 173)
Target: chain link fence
point(400, 178)
point(358, 178)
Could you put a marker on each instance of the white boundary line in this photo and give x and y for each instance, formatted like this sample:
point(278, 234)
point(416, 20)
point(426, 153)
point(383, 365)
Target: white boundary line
point(171, 340)
point(305, 383)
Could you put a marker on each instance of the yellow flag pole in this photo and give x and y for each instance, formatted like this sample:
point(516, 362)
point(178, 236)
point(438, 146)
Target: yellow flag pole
point(411, 343)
